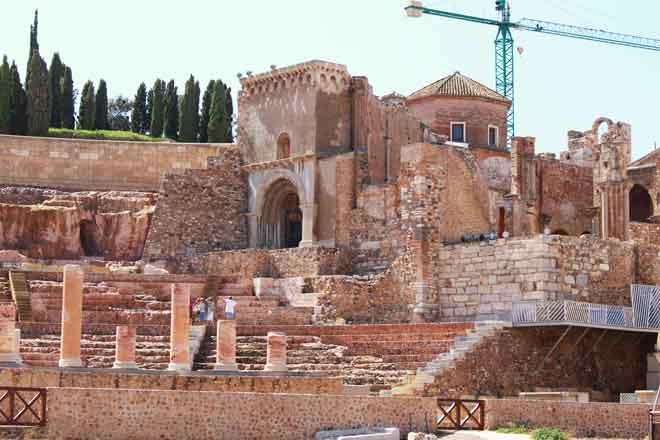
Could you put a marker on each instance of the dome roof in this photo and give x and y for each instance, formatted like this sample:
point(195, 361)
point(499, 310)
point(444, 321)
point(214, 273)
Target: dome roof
point(457, 85)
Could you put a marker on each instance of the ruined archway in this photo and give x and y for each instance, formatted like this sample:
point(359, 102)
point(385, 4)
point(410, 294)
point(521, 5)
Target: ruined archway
point(89, 238)
point(641, 205)
point(280, 223)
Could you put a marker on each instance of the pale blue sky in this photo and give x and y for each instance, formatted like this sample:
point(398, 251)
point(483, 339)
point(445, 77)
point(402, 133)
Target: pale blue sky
point(561, 83)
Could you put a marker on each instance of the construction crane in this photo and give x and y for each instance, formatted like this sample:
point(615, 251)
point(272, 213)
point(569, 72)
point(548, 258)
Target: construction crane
point(504, 53)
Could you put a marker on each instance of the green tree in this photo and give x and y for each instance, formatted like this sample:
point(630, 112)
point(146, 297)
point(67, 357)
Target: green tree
point(18, 103)
point(157, 109)
point(150, 105)
point(229, 108)
point(139, 115)
point(171, 111)
point(219, 125)
point(87, 107)
point(119, 110)
point(55, 73)
point(5, 96)
point(101, 111)
point(206, 112)
point(188, 118)
point(34, 45)
point(67, 99)
point(37, 97)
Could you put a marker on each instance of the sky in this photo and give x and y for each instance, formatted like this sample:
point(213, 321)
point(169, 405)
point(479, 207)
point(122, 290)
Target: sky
point(561, 84)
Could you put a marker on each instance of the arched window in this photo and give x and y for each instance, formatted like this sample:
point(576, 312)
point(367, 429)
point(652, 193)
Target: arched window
point(641, 205)
point(283, 146)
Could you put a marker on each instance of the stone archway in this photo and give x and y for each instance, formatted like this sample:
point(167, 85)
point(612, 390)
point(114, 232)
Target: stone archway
point(641, 204)
point(281, 220)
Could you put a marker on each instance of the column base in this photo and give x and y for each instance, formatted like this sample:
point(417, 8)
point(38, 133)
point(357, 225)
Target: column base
point(184, 368)
point(306, 243)
point(125, 365)
point(276, 368)
point(226, 366)
point(70, 363)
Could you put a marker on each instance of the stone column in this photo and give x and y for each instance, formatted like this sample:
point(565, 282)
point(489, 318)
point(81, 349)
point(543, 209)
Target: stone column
point(226, 346)
point(9, 335)
point(72, 300)
point(179, 328)
point(253, 230)
point(125, 347)
point(308, 222)
point(276, 352)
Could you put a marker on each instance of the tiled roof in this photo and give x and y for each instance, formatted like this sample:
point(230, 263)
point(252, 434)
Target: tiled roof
point(458, 85)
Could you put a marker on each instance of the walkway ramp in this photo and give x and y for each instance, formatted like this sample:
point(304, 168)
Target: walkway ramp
point(20, 293)
point(643, 316)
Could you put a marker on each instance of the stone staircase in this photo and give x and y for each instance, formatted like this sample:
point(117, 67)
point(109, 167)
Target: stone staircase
point(446, 360)
point(21, 295)
point(307, 354)
point(98, 351)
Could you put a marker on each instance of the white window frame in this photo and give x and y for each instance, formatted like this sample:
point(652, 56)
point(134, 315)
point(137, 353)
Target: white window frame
point(451, 132)
point(497, 135)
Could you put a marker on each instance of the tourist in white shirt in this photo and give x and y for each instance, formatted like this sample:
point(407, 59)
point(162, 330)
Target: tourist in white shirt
point(229, 307)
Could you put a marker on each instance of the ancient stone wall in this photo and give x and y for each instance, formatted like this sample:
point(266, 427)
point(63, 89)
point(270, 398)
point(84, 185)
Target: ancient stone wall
point(603, 420)
point(512, 361)
point(87, 413)
point(100, 165)
point(482, 280)
point(52, 378)
point(201, 210)
point(645, 233)
point(566, 193)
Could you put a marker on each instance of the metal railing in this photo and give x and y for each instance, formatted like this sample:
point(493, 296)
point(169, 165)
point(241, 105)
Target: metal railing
point(573, 313)
point(22, 406)
point(646, 304)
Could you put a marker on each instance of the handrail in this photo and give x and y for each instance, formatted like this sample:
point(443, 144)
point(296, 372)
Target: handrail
point(575, 313)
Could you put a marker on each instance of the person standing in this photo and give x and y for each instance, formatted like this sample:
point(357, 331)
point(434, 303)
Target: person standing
point(201, 310)
point(229, 307)
point(210, 309)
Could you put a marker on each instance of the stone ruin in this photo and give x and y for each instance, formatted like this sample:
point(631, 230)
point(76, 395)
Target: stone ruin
point(374, 246)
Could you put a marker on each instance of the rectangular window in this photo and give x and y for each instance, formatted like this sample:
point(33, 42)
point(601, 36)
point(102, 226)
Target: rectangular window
point(492, 136)
point(458, 132)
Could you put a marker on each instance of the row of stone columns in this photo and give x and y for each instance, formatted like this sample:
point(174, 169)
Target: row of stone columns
point(72, 300)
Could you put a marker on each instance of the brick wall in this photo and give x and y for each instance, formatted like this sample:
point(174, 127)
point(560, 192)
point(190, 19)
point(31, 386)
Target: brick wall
point(119, 414)
point(201, 210)
point(511, 361)
point(54, 378)
point(645, 233)
point(90, 164)
point(580, 419)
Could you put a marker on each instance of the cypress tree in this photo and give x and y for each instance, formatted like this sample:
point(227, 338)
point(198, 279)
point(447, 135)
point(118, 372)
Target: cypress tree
point(218, 121)
point(18, 103)
point(101, 111)
point(157, 109)
point(67, 99)
point(188, 118)
point(55, 73)
point(150, 104)
point(5, 96)
point(34, 45)
point(206, 112)
point(229, 108)
point(139, 114)
point(171, 111)
point(87, 107)
point(37, 97)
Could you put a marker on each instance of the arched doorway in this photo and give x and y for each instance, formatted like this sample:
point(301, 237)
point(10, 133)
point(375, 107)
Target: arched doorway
point(280, 225)
point(641, 204)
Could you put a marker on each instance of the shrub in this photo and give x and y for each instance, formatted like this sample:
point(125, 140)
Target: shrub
point(520, 428)
point(549, 434)
point(110, 135)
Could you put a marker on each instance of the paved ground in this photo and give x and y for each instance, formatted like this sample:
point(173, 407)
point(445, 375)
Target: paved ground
point(482, 435)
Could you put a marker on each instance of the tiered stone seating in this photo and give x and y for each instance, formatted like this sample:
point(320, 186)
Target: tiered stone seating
point(97, 351)
point(377, 355)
